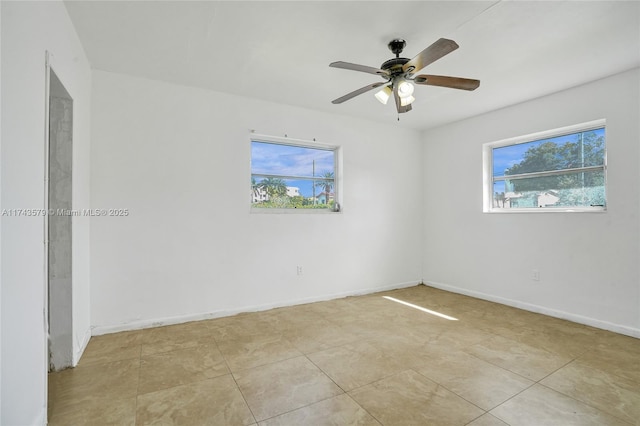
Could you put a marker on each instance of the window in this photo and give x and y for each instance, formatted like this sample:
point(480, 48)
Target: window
point(290, 175)
point(558, 170)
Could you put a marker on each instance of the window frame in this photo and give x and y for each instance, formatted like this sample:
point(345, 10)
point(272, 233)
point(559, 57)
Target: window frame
point(301, 143)
point(488, 179)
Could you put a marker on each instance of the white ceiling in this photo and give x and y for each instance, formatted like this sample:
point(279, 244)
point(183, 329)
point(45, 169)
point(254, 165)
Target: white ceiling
point(280, 51)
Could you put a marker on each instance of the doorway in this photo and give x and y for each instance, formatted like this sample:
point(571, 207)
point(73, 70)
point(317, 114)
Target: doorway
point(59, 225)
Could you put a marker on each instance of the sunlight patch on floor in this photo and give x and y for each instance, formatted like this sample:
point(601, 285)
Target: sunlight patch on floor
point(420, 308)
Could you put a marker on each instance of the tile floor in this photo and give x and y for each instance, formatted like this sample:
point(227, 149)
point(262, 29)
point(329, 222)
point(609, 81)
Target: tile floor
point(365, 360)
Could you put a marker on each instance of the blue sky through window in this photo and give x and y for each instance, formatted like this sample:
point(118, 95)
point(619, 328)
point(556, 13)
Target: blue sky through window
point(507, 156)
point(289, 160)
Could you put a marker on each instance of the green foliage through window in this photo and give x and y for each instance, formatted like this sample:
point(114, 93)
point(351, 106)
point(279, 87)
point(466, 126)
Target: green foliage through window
point(288, 176)
point(565, 170)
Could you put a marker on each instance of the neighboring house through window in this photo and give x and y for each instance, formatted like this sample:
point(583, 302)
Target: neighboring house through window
point(557, 170)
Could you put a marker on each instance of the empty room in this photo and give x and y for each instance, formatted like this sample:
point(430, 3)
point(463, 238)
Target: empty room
point(320, 213)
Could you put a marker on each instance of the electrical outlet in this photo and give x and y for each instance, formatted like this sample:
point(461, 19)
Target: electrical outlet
point(535, 275)
point(299, 270)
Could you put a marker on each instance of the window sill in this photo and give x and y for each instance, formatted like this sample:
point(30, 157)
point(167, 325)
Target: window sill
point(292, 211)
point(549, 210)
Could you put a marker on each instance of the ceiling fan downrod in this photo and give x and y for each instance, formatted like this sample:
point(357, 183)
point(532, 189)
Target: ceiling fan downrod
point(394, 66)
point(396, 46)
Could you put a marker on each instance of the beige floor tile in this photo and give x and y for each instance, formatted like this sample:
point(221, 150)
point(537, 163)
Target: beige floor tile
point(620, 342)
point(168, 369)
point(355, 365)
point(404, 348)
point(475, 380)
point(364, 328)
point(539, 405)
point(487, 420)
point(251, 352)
point(214, 402)
point(561, 341)
point(71, 389)
point(496, 315)
point(285, 320)
point(106, 411)
point(274, 389)
point(112, 347)
point(319, 336)
point(460, 335)
point(377, 303)
point(623, 364)
point(173, 337)
point(611, 359)
point(242, 326)
point(306, 343)
point(566, 329)
point(296, 313)
point(520, 358)
point(612, 394)
point(457, 305)
point(332, 308)
point(403, 367)
point(397, 310)
point(337, 411)
point(416, 320)
point(296, 320)
point(408, 398)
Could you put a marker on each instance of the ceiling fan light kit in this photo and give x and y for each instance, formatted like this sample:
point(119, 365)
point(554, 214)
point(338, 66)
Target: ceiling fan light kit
point(399, 77)
point(405, 88)
point(407, 100)
point(384, 94)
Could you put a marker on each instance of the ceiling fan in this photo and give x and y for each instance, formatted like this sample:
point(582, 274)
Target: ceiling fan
point(398, 74)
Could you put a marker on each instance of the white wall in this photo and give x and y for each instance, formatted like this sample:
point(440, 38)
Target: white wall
point(28, 30)
point(588, 263)
point(0, 216)
point(1, 381)
point(178, 159)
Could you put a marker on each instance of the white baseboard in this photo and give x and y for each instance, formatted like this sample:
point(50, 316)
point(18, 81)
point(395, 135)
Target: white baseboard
point(593, 322)
point(83, 345)
point(41, 419)
point(158, 322)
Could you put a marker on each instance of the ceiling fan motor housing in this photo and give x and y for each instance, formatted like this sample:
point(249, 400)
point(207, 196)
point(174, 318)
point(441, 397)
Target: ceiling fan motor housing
point(394, 66)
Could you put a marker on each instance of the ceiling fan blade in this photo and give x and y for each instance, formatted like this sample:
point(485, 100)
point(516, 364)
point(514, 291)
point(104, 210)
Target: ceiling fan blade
point(361, 68)
point(401, 109)
point(431, 54)
point(358, 92)
point(445, 81)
